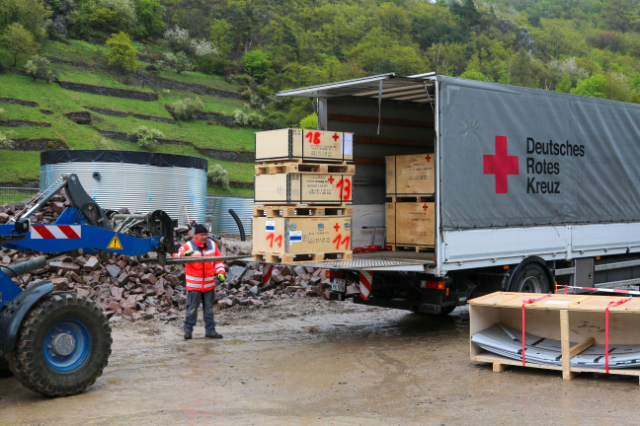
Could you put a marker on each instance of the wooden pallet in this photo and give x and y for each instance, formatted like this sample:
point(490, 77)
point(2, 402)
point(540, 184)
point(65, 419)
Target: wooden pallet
point(296, 211)
point(417, 249)
point(425, 198)
point(300, 257)
point(299, 167)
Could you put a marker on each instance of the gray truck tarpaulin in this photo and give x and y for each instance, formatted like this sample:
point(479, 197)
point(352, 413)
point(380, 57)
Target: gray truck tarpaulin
point(513, 156)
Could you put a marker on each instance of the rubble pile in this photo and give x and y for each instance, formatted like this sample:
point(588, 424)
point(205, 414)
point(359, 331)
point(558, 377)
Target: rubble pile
point(129, 290)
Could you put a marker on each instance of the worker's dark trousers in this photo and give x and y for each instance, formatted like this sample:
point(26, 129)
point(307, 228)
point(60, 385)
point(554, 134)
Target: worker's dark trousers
point(194, 298)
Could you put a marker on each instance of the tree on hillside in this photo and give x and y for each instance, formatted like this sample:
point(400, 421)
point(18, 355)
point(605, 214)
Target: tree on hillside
point(150, 13)
point(18, 41)
point(122, 53)
point(182, 63)
point(31, 14)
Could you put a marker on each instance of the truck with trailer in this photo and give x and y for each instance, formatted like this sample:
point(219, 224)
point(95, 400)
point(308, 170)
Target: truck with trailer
point(533, 189)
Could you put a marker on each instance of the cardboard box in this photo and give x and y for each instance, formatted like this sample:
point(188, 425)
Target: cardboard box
point(304, 235)
point(310, 145)
point(303, 188)
point(410, 174)
point(411, 224)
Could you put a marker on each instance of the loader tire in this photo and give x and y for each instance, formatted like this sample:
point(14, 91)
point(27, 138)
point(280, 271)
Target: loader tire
point(63, 345)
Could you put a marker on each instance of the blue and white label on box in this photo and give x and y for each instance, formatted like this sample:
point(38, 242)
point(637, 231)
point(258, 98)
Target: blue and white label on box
point(295, 237)
point(271, 225)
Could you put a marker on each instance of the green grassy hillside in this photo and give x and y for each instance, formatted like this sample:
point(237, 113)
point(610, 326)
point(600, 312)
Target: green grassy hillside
point(21, 166)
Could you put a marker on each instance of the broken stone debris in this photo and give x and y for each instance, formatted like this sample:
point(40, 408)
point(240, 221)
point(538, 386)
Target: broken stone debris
point(126, 289)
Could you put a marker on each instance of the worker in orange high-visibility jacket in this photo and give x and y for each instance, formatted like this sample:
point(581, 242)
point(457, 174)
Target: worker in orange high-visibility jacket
point(201, 281)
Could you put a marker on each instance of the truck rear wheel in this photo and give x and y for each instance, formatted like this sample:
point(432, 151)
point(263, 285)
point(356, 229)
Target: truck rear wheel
point(63, 345)
point(531, 278)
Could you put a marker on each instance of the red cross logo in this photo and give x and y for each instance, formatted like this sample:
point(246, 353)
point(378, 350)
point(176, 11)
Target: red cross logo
point(331, 179)
point(501, 165)
point(428, 158)
point(336, 227)
point(336, 137)
point(425, 207)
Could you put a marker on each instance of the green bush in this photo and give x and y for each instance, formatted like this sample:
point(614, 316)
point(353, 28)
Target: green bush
point(212, 64)
point(185, 109)
point(593, 86)
point(90, 17)
point(252, 118)
point(122, 53)
point(257, 63)
point(474, 75)
point(5, 141)
point(40, 68)
point(218, 175)
point(182, 63)
point(147, 138)
point(149, 14)
point(309, 122)
point(100, 142)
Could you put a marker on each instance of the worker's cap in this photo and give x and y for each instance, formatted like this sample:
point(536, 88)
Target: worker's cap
point(201, 229)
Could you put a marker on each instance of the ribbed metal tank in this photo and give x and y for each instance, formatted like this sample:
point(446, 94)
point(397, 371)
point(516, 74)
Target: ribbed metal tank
point(222, 222)
point(139, 181)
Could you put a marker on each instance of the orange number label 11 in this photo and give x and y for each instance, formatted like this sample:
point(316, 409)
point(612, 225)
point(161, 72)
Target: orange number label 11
point(272, 238)
point(338, 241)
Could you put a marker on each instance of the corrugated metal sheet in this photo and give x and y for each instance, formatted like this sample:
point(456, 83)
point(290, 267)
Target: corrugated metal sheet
point(141, 188)
point(221, 220)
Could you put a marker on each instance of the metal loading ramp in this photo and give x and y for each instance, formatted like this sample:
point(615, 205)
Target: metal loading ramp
point(378, 261)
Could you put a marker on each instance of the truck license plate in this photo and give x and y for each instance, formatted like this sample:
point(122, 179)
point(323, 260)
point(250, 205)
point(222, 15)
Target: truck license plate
point(338, 285)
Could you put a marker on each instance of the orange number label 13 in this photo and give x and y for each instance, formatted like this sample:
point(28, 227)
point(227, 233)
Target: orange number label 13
point(338, 241)
point(345, 188)
point(271, 238)
point(314, 137)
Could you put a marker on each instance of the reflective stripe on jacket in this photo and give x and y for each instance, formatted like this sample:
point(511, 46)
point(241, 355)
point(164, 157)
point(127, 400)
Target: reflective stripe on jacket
point(201, 276)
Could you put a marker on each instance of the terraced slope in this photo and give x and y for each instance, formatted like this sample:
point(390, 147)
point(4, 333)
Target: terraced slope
point(44, 120)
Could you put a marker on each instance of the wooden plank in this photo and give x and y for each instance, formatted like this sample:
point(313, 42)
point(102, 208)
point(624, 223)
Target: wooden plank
point(565, 345)
point(304, 144)
point(363, 160)
point(391, 141)
point(275, 167)
point(586, 343)
point(499, 367)
point(374, 120)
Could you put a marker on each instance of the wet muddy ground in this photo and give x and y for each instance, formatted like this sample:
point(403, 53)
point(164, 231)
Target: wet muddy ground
point(311, 362)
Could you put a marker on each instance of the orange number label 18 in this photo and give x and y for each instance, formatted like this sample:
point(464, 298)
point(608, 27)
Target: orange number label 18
point(314, 137)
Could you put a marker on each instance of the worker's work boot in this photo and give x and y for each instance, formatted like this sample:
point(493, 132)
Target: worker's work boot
point(187, 336)
point(214, 335)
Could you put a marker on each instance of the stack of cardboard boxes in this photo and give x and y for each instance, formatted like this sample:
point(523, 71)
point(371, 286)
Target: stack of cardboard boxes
point(303, 195)
point(410, 210)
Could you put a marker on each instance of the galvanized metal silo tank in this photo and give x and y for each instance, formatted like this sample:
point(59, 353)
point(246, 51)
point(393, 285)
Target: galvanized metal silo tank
point(222, 222)
point(139, 181)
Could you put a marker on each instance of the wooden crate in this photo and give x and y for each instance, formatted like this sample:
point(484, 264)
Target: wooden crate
point(304, 188)
point(410, 174)
point(564, 317)
point(410, 225)
point(301, 235)
point(310, 145)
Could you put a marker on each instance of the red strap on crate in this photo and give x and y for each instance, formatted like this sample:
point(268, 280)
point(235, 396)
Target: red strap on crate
point(566, 288)
point(606, 330)
point(524, 303)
